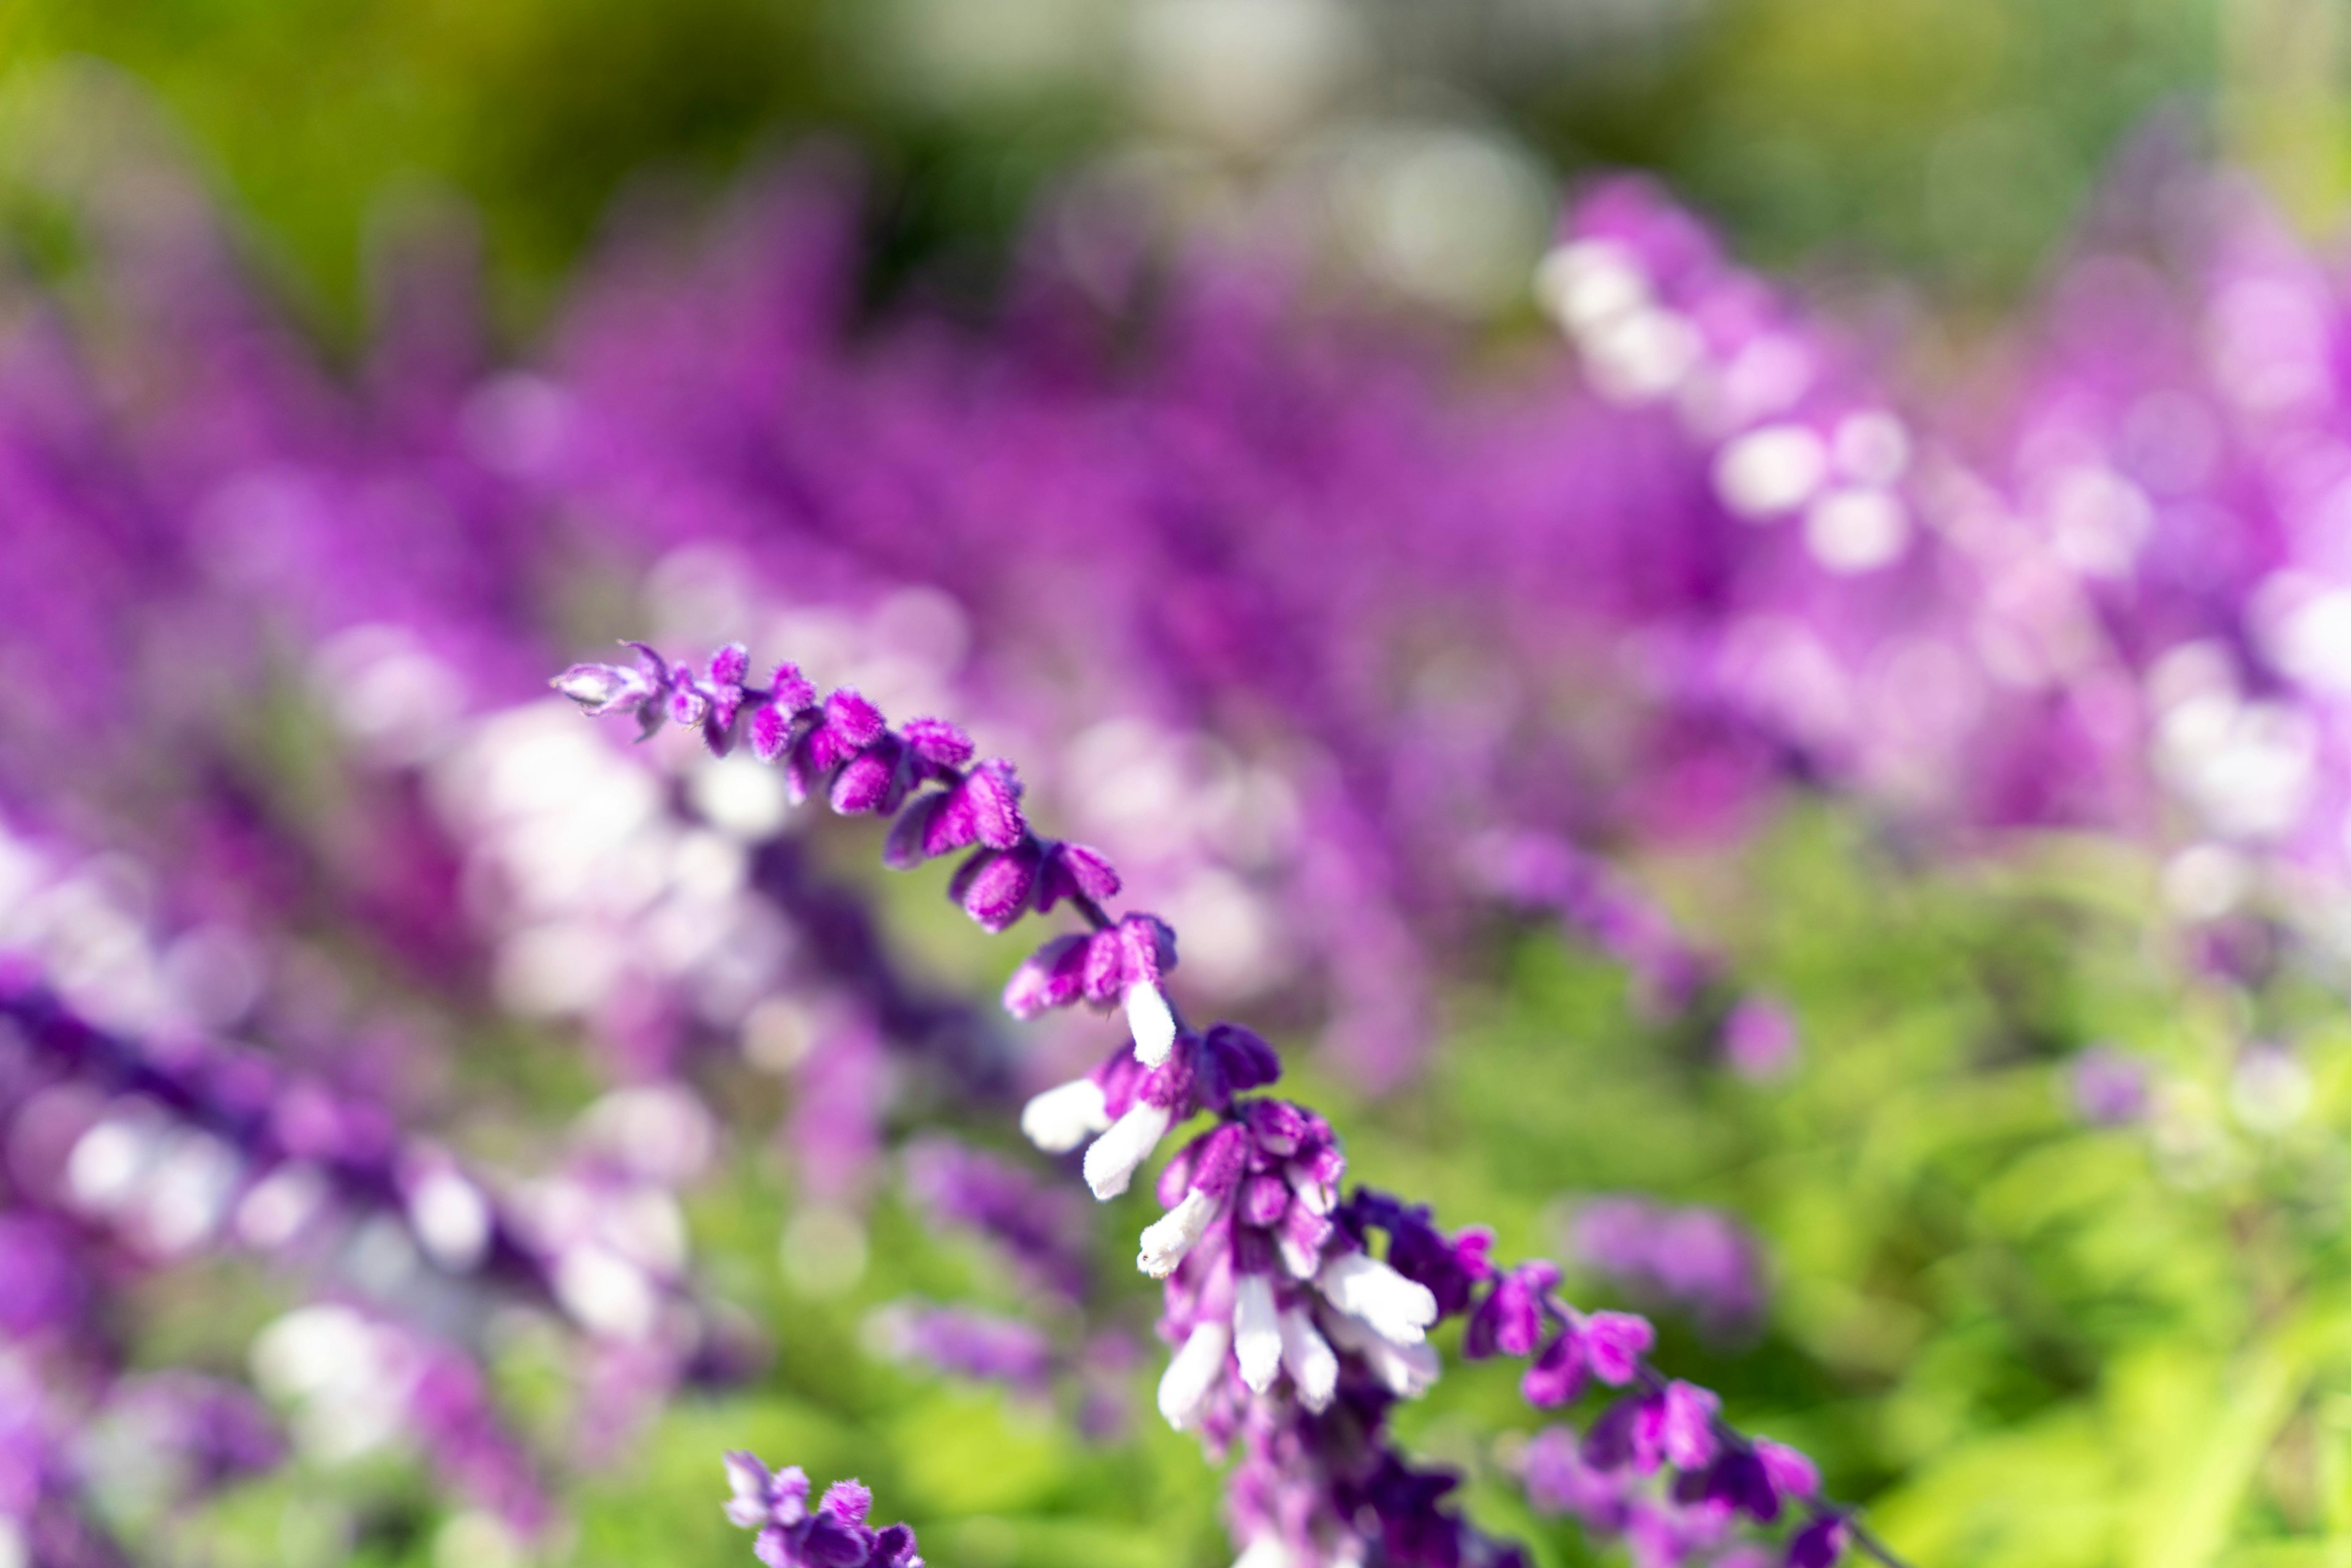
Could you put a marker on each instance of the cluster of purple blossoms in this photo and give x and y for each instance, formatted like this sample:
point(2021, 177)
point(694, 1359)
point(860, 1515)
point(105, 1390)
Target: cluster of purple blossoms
point(2118, 603)
point(1291, 1335)
point(1700, 1260)
point(833, 1534)
point(1670, 1526)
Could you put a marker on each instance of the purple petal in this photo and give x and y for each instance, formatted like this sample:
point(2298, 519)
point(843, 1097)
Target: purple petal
point(1051, 977)
point(850, 1500)
point(872, 781)
point(1558, 1374)
point(994, 887)
point(1818, 1545)
point(1237, 1061)
point(1265, 1198)
point(1793, 1474)
point(857, 722)
point(942, 746)
point(1621, 1437)
point(903, 849)
point(1073, 872)
point(1615, 1343)
point(688, 704)
point(835, 1542)
point(894, 1547)
point(600, 688)
point(771, 731)
point(1686, 1424)
point(1739, 1479)
point(1105, 968)
point(790, 690)
point(951, 825)
point(993, 790)
point(749, 1480)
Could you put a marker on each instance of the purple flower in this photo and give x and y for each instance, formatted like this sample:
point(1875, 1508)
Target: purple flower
point(980, 806)
point(1614, 1343)
point(1509, 1320)
point(1289, 1333)
point(1819, 1544)
point(790, 697)
point(645, 690)
point(790, 1535)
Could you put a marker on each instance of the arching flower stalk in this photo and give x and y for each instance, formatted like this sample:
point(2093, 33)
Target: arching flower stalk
point(1289, 1332)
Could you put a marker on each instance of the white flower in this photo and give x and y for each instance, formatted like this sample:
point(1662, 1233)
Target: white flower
point(598, 686)
point(1256, 1331)
point(1315, 1196)
point(1265, 1551)
point(1406, 1370)
point(1061, 1118)
point(1313, 1366)
point(1167, 1240)
point(1193, 1372)
point(1111, 1160)
point(1301, 1255)
point(1361, 1286)
point(1152, 1022)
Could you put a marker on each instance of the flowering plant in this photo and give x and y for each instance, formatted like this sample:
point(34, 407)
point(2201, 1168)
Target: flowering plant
point(1293, 1337)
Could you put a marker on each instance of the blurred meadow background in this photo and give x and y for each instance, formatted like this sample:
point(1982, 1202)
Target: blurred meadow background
point(1938, 1026)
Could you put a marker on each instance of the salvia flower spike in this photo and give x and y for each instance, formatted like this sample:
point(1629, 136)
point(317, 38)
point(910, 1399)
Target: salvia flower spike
point(1291, 1335)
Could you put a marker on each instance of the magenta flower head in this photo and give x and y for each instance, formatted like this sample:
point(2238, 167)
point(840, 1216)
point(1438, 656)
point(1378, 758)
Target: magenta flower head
point(834, 1534)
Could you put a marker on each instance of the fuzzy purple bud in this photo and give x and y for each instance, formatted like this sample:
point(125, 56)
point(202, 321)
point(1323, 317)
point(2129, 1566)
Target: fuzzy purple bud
point(995, 886)
point(1559, 1374)
point(1686, 1415)
point(1614, 1343)
point(1510, 1319)
point(1819, 1544)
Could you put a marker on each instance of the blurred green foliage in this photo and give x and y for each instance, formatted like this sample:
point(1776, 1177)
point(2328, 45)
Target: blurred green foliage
point(1952, 138)
point(1953, 141)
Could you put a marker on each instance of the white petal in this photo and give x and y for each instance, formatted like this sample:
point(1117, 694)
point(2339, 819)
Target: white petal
point(1361, 1285)
point(1151, 1022)
point(1061, 1118)
point(1256, 1331)
point(1265, 1551)
point(1317, 1197)
point(592, 683)
point(1111, 1160)
point(1167, 1240)
point(1313, 1365)
point(1406, 1370)
point(1300, 1260)
point(1193, 1372)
